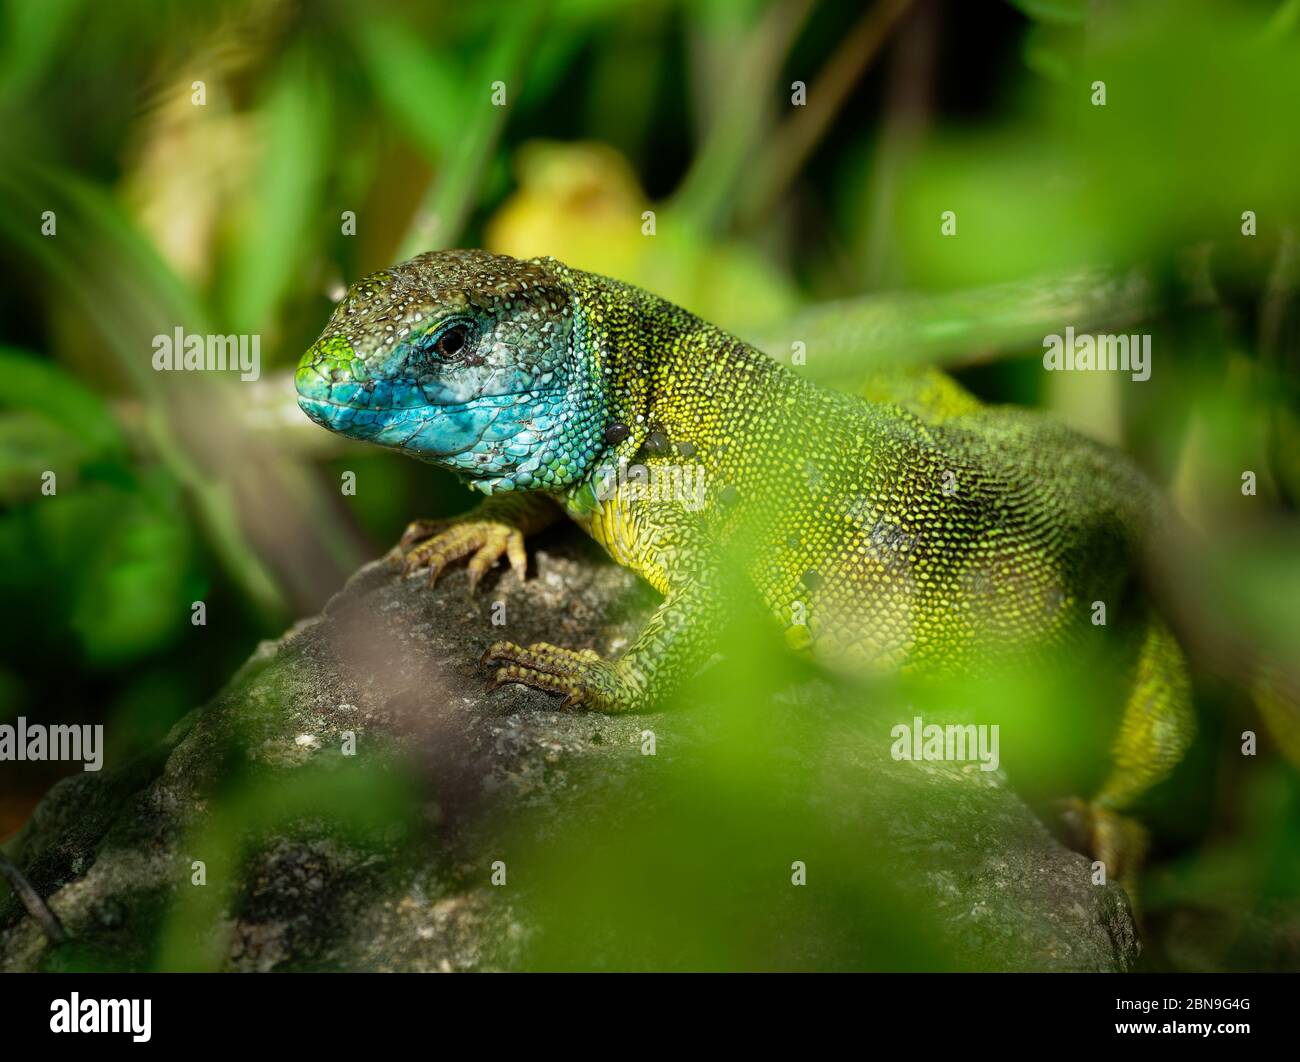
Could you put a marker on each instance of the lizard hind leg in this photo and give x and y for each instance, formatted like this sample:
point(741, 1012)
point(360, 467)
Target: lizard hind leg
point(1157, 727)
point(580, 676)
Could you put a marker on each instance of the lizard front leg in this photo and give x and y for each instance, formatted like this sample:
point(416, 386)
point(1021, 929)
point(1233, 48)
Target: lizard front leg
point(669, 650)
point(494, 529)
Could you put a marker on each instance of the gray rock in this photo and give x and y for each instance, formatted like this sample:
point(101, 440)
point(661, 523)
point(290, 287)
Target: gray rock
point(612, 858)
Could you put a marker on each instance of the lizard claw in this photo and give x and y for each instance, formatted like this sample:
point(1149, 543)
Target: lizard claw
point(431, 546)
point(584, 679)
point(418, 531)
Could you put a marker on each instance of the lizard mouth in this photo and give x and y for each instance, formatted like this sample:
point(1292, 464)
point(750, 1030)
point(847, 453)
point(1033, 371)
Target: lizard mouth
point(430, 430)
point(318, 408)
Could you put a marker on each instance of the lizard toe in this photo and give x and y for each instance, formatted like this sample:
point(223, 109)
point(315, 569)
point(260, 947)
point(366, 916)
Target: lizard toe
point(581, 677)
point(484, 542)
point(418, 531)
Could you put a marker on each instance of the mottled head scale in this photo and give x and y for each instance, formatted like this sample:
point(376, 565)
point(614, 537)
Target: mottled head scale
point(464, 359)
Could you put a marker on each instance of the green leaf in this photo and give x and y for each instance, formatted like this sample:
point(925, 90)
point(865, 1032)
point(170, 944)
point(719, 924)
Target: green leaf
point(1061, 12)
point(37, 385)
point(32, 33)
point(420, 86)
point(1047, 51)
point(283, 218)
point(30, 446)
point(131, 598)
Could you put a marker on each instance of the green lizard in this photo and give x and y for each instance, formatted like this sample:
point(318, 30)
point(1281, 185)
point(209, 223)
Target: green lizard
point(911, 529)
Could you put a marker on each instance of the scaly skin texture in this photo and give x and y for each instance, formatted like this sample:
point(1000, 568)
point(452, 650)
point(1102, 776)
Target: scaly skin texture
point(909, 529)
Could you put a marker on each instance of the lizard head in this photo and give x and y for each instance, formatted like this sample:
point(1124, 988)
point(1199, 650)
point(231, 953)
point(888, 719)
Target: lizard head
point(464, 359)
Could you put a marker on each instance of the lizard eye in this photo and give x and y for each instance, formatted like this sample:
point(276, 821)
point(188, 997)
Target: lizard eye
point(451, 341)
point(447, 343)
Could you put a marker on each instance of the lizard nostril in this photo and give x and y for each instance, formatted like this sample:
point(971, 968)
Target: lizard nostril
point(307, 381)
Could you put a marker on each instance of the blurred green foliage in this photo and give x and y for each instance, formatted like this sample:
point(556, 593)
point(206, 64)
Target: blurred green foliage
point(771, 220)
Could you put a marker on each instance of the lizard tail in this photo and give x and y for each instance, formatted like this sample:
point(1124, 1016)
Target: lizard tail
point(1213, 642)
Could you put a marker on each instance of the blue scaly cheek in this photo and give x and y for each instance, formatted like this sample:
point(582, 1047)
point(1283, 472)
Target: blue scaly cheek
point(435, 431)
point(487, 434)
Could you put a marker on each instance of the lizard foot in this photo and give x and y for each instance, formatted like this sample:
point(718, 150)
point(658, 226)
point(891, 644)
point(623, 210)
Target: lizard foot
point(1113, 839)
point(431, 545)
point(581, 676)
